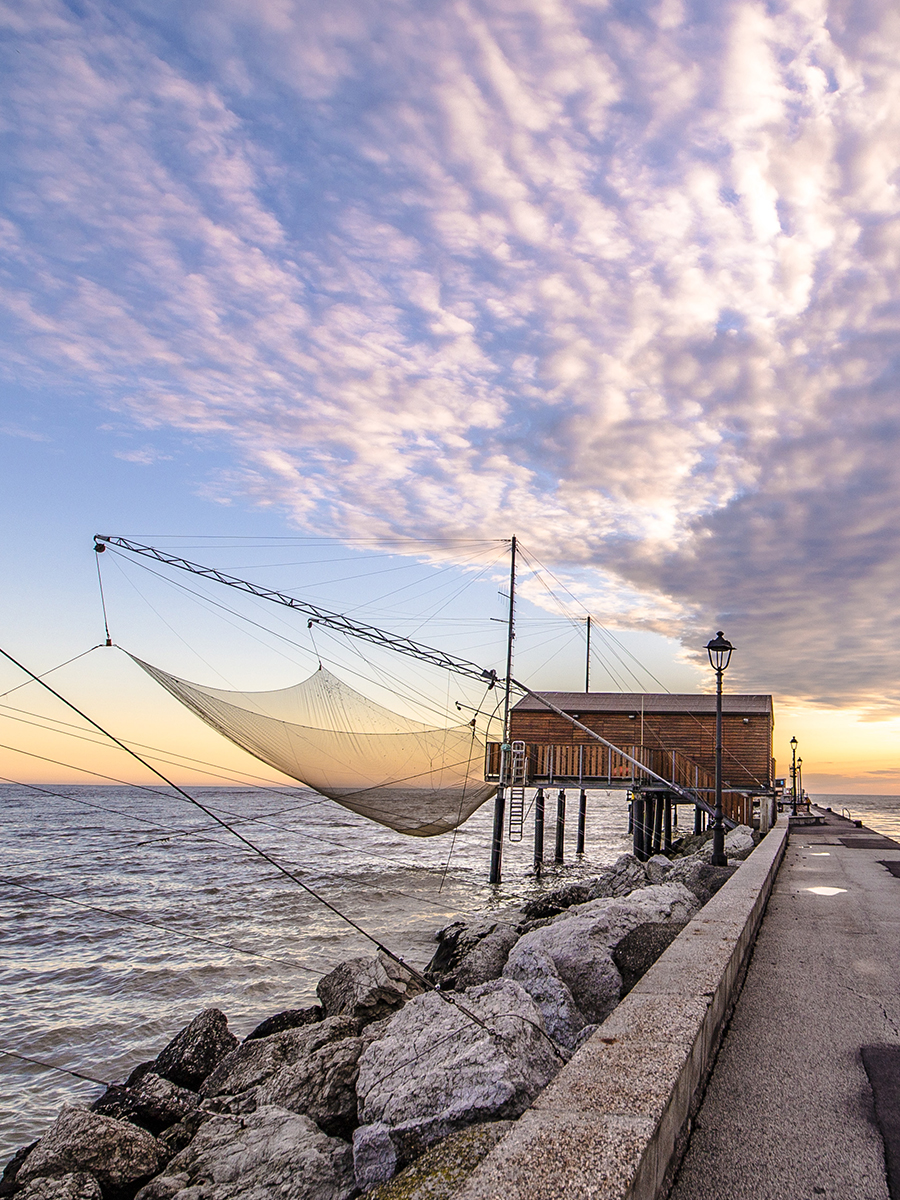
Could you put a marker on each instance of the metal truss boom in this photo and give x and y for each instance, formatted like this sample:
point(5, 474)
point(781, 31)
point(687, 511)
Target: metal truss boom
point(322, 616)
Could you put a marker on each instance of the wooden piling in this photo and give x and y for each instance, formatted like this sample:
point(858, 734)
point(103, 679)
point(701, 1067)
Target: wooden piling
point(560, 826)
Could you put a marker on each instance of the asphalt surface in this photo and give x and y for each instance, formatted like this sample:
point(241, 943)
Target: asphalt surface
point(790, 1112)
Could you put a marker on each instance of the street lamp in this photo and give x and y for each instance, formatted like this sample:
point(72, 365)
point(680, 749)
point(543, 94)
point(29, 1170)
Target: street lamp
point(719, 651)
point(793, 777)
point(800, 779)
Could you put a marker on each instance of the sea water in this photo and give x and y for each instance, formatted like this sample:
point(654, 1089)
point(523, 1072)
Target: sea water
point(124, 912)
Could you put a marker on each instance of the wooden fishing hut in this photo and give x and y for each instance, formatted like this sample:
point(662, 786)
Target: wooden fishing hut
point(673, 736)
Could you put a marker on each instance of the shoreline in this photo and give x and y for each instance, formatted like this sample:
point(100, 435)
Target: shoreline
point(370, 1011)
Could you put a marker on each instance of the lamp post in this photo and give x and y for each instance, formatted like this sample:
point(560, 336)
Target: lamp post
point(793, 777)
point(800, 779)
point(719, 651)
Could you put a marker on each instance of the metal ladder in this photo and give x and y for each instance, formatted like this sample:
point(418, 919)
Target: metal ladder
point(516, 794)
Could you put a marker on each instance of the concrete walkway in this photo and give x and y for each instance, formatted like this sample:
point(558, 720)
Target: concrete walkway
point(788, 1113)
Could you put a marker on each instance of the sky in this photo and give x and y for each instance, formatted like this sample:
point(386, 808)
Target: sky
point(619, 278)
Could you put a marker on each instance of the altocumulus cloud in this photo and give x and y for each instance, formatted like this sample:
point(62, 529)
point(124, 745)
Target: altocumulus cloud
point(621, 277)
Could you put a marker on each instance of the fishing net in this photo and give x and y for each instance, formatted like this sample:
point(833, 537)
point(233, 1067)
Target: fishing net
point(402, 774)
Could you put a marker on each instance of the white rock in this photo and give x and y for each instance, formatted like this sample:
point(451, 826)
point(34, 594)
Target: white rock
point(536, 971)
point(265, 1154)
point(579, 944)
point(658, 867)
point(374, 1156)
point(434, 1070)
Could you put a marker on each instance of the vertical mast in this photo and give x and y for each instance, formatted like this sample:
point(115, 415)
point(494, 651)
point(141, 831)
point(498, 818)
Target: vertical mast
point(510, 635)
point(587, 657)
point(500, 801)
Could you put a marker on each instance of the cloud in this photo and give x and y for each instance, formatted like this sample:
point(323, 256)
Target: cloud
point(621, 278)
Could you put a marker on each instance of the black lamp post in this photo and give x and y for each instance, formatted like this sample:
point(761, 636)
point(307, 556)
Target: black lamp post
point(793, 777)
point(719, 651)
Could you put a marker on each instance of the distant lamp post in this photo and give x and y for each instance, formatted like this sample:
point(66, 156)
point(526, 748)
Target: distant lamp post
point(793, 776)
point(800, 780)
point(719, 651)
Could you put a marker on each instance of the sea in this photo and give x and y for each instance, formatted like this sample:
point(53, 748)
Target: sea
point(125, 911)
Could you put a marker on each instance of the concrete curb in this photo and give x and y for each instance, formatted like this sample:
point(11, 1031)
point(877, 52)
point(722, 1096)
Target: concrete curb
point(613, 1124)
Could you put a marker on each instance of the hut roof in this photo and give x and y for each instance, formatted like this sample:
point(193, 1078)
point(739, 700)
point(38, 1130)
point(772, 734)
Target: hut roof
point(649, 702)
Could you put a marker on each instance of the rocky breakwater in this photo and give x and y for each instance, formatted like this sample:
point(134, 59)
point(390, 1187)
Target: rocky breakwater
point(333, 1100)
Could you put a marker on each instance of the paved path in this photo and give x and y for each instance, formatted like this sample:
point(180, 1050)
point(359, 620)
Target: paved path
point(789, 1113)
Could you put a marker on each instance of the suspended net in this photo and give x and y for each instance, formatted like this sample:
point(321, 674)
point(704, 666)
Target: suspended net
point(407, 776)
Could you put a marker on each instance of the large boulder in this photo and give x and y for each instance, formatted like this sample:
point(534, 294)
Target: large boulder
point(196, 1050)
point(321, 1085)
point(739, 844)
point(78, 1185)
point(700, 876)
point(579, 945)
point(536, 971)
point(435, 1070)
point(290, 1018)
point(441, 1171)
point(370, 987)
point(256, 1061)
point(639, 950)
point(624, 876)
point(265, 1154)
point(153, 1103)
point(471, 951)
point(115, 1152)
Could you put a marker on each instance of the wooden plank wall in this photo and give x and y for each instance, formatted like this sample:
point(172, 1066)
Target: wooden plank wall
point(747, 748)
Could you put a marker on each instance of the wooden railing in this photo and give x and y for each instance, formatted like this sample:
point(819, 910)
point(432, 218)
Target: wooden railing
point(593, 765)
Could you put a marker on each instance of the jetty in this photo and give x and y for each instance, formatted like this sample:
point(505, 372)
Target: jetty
point(758, 1058)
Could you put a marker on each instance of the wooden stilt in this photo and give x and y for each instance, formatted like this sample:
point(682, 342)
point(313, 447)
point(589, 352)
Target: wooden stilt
point(667, 826)
point(539, 831)
point(582, 819)
point(560, 826)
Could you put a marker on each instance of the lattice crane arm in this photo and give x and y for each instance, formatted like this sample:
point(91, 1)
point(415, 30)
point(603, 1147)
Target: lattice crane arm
point(323, 616)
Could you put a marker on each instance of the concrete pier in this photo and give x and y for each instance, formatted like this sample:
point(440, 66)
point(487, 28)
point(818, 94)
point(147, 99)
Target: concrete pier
point(613, 1122)
point(789, 1111)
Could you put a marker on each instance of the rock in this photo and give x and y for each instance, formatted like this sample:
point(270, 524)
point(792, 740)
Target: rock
point(374, 1155)
point(639, 949)
point(579, 942)
point(434, 1070)
point(78, 1185)
point(291, 1018)
point(196, 1050)
point(471, 952)
point(321, 1085)
point(657, 868)
point(700, 877)
point(176, 1137)
point(537, 973)
point(370, 987)
point(442, 1170)
point(12, 1168)
point(740, 842)
point(690, 844)
point(624, 876)
point(153, 1103)
point(254, 1062)
point(116, 1152)
point(269, 1153)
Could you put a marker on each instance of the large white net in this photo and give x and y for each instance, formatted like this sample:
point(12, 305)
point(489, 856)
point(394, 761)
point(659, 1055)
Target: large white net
point(408, 776)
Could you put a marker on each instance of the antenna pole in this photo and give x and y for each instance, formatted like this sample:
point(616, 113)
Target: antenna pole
point(500, 800)
point(587, 657)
